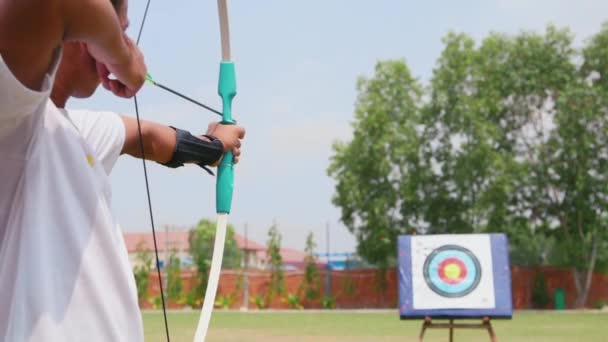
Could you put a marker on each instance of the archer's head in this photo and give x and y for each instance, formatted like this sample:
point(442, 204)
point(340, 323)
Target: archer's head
point(77, 74)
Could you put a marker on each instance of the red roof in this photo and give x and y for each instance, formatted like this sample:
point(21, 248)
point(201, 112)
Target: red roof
point(248, 244)
point(177, 240)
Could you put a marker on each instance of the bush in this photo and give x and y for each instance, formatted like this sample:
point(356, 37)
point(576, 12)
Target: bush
point(312, 281)
point(328, 302)
point(259, 301)
point(224, 301)
point(540, 294)
point(157, 302)
point(600, 304)
point(294, 301)
point(141, 271)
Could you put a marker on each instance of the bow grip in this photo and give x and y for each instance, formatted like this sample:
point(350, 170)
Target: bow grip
point(225, 172)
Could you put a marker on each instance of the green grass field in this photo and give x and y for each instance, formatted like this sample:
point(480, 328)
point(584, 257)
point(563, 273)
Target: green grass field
point(381, 326)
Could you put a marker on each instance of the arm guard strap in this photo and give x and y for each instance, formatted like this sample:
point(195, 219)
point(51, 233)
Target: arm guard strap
point(192, 150)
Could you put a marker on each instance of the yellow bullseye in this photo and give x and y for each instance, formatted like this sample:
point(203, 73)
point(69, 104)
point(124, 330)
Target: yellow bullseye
point(452, 271)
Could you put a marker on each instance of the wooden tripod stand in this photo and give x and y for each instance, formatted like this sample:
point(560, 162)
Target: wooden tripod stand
point(485, 324)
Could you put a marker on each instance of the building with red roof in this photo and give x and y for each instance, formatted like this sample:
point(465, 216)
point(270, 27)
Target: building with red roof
point(178, 240)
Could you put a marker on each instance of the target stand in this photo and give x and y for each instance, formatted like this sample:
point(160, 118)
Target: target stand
point(454, 277)
point(485, 324)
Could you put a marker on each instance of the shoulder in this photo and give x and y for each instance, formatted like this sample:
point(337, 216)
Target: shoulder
point(91, 122)
point(103, 131)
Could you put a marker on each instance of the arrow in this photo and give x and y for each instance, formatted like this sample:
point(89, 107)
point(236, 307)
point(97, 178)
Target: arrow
point(174, 92)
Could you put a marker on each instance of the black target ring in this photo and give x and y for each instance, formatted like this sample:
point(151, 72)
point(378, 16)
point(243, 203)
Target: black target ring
point(466, 263)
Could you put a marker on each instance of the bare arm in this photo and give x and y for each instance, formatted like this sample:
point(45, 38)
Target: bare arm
point(159, 140)
point(113, 50)
point(95, 22)
point(31, 30)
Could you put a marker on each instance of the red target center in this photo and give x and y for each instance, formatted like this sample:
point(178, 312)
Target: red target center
point(452, 271)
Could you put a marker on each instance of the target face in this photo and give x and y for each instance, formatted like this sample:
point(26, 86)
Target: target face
point(452, 271)
point(454, 275)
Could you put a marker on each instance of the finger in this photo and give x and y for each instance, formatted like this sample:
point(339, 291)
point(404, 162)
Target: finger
point(105, 84)
point(103, 73)
point(241, 132)
point(211, 127)
point(102, 70)
point(128, 93)
point(113, 86)
point(119, 89)
point(236, 152)
point(235, 160)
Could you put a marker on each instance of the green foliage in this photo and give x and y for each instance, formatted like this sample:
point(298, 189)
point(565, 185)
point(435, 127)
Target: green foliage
point(312, 280)
point(540, 293)
point(175, 284)
point(328, 302)
point(259, 301)
point(141, 271)
point(511, 136)
point(293, 300)
point(156, 301)
point(192, 299)
point(201, 241)
point(277, 277)
point(600, 304)
point(224, 301)
point(383, 151)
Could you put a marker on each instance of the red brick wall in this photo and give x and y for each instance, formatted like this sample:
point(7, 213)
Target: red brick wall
point(358, 289)
point(522, 280)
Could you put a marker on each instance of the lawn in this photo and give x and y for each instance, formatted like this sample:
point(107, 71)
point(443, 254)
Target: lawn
point(370, 326)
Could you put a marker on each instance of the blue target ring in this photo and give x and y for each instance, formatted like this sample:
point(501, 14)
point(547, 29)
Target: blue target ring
point(452, 271)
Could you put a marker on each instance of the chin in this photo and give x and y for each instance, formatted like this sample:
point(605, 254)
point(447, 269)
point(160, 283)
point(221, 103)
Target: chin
point(85, 93)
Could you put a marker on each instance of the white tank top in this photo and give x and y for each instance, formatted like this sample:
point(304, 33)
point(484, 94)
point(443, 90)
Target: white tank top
point(64, 276)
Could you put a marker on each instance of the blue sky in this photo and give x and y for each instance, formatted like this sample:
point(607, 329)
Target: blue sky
point(297, 66)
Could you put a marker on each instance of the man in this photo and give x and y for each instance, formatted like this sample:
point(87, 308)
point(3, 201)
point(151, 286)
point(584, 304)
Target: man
point(63, 277)
point(31, 33)
point(110, 134)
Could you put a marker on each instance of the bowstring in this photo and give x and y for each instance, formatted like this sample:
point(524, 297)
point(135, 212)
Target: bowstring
point(143, 155)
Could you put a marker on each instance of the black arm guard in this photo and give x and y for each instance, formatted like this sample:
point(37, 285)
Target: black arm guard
point(192, 150)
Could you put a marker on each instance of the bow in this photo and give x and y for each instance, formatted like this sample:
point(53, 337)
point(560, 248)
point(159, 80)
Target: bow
point(225, 176)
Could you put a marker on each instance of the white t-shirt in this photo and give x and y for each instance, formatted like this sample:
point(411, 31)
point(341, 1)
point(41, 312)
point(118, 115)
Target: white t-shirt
point(63, 273)
point(105, 134)
point(103, 131)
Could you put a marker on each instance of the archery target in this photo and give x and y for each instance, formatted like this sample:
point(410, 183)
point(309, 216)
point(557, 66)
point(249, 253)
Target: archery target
point(451, 271)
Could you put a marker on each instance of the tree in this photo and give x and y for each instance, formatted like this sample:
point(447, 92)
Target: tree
point(312, 281)
point(576, 201)
point(510, 137)
point(141, 271)
point(201, 241)
point(540, 293)
point(175, 284)
point(273, 251)
point(369, 169)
